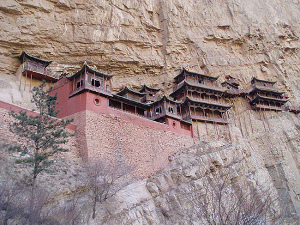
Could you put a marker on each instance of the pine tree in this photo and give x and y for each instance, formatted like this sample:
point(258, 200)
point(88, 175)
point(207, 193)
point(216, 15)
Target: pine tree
point(43, 135)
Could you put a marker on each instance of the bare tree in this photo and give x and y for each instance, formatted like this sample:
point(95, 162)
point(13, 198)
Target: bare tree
point(72, 209)
point(16, 207)
point(223, 200)
point(10, 192)
point(104, 180)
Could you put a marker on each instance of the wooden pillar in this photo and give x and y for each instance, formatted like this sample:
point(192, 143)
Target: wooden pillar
point(25, 81)
point(261, 118)
point(94, 79)
point(250, 121)
point(197, 124)
point(265, 118)
point(215, 123)
point(246, 131)
point(20, 81)
point(205, 121)
point(180, 110)
point(85, 80)
point(30, 82)
point(134, 109)
point(241, 125)
point(228, 126)
point(110, 85)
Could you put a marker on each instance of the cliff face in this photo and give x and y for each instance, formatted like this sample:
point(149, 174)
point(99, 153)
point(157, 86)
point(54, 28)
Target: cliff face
point(148, 42)
point(265, 163)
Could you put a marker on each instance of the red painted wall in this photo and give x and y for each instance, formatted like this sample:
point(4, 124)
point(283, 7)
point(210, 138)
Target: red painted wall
point(99, 104)
point(8, 106)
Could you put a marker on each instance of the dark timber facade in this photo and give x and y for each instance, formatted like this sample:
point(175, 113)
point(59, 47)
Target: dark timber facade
point(263, 95)
point(202, 99)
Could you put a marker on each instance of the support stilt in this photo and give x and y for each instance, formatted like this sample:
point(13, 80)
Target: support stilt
point(241, 125)
point(250, 122)
point(25, 82)
point(30, 82)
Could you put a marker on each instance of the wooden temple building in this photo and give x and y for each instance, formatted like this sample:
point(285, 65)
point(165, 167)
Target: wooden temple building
point(195, 98)
point(202, 99)
point(130, 101)
point(150, 94)
point(231, 86)
point(33, 68)
point(90, 79)
point(230, 83)
point(263, 95)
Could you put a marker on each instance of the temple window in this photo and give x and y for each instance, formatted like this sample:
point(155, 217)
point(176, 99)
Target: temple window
point(79, 83)
point(158, 110)
point(96, 83)
point(171, 109)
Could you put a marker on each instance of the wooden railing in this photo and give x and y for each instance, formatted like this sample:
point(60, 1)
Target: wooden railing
point(90, 87)
point(149, 98)
point(262, 106)
point(206, 118)
point(207, 85)
point(270, 88)
point(208, 101)
point(164, 113)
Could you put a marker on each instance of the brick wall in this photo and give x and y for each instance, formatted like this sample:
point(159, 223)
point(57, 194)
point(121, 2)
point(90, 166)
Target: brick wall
point(6, 137)
point(108, 137)
point(111, 137)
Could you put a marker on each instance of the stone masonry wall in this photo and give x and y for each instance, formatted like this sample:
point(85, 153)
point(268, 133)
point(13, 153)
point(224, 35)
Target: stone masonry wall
point(6, 137)
point(143, 148)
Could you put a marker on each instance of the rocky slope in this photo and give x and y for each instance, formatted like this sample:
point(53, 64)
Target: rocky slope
point(263, 167)
point(267, 162)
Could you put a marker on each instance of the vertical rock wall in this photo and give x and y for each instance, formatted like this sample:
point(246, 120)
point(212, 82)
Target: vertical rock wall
point(148, 42)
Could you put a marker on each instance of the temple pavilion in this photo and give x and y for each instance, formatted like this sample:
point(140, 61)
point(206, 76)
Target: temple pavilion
point(151, 94)
point(92, 80)
point(130, 101)
point(232, 87)
point(263, 95)
point(202, 99)
point(33, 68)
point(165, 107)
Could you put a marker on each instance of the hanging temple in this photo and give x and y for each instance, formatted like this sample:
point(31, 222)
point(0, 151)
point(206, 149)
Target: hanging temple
point(195, 98)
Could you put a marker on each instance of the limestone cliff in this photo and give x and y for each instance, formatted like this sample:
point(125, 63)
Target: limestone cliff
point(148, 42)
point(268, 162)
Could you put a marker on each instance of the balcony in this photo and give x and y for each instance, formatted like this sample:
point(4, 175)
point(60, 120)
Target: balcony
point(89, 87)
point(266, 107)
point(163, 114)
point(37, 71)
point(147, 98)
point(259, 97)
point(217, 120)
point(267, 88)
point(208, 101)
point(194, 83)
